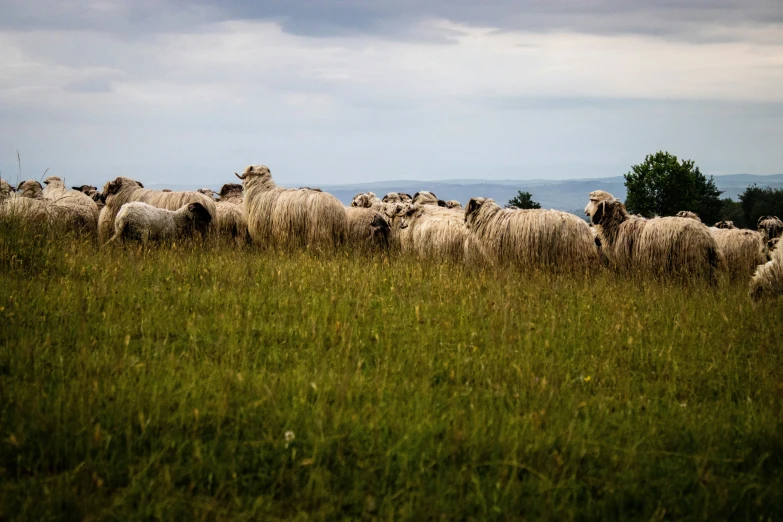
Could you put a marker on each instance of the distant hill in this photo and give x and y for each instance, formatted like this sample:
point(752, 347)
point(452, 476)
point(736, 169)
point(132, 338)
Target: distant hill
point(569, 195)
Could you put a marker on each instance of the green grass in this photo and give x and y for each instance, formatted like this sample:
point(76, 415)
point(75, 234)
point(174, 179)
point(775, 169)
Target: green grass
point(159, 384)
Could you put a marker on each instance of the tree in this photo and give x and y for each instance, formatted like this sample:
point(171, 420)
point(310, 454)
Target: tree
point(522, 200)
point(757, 202)
point(662, 186)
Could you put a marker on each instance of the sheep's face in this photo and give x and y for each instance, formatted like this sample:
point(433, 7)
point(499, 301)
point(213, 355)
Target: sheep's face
point(725, 224)
point(406, 198)
point(380, 230)
point(200, 216)
point(363, 200)
point(86, 189)
point(596, 196)
point(688, 214)
point(254, 171)
point(409, 215)
point(452, 203)
point(231, 190)
point(31, 189)
point(771, 226)
point(113, 187)
point(5, 187)
point(207, 192)
point(54, 181)
point(474, 205)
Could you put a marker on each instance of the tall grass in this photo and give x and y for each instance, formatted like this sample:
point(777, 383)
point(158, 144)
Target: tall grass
point(163, 383)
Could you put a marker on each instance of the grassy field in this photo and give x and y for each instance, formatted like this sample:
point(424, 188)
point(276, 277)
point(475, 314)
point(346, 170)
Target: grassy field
point(210, 382)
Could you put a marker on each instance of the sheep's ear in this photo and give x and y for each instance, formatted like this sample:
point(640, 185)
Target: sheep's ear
point(473, 205)
point(600, 209)
point(77, 188)
point(139, 184)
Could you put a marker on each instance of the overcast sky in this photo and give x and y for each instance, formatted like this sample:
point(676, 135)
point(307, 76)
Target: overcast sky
point(343, 91)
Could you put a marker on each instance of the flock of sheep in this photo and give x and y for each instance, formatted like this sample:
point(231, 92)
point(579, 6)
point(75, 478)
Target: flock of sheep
point(482, 233)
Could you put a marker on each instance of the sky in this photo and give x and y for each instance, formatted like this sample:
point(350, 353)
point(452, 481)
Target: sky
point(347, 91)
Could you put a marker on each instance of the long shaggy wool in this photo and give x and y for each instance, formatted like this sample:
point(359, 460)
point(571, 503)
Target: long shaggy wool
point(137, 220)
point(668, 246)
point(439, 234)
point(365, 200)
point(767, 282)
point(125, 190)
point(771, 226)
point(75, 208)
point(544, 239)
point(742, 250)
point(290, 217)
point(367, 229)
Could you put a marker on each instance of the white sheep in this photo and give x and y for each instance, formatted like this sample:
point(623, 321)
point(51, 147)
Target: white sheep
point(137, 220)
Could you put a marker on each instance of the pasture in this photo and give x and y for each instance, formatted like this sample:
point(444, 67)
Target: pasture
point(208, 381)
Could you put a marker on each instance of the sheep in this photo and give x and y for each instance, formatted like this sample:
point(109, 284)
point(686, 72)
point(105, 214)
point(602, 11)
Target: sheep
point(725, 225)
point(30, 189)
point(771, 226)
point(365, 200)
point(92, 192)
point(453, 203)
point(125, 190)
point(367, 228)
point(667, 246)
point(137, 220)
point(230, 216)
point(768, 279)
point(439, 234)
point(742, 250)
point(689, 214)
point(280, 216)
point(397, 197)
point(547, 239)
point(75, 209)
point(206, 191)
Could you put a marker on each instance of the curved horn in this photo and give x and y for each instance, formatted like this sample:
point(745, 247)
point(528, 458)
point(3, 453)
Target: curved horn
point(242, 177)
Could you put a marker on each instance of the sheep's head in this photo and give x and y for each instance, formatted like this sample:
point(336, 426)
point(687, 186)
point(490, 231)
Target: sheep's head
point(30, 189)
point(54, 181)
point(772, 226)
point(596, 196)
point(609, 211)
point(453, 203)
point(230, 190)
point(199, 216)
point(86, 189)
point(409, 215)
point(207, 192)
point(380, 229)
point(724, 224)
point(424, 197)
point(363, 200)
point(391, 197)
point(406, 198)
point(474, 205)
point(254, 171)
point(688, 214)
point(6, 188)
point(113, 187)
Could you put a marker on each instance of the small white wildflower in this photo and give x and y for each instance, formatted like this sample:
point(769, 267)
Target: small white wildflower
point(683, 405)
point(289, 437)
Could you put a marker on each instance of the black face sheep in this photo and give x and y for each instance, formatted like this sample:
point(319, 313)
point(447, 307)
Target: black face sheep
point(367, 228)
point(125, 190)
point(543, 239)
point(667, 246)
point(142, 221)
point(279, 216)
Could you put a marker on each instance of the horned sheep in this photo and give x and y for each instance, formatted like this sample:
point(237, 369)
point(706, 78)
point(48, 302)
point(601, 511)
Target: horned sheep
point(137, 220)
point(296, 217)
point(123, 190)
point(546, 239)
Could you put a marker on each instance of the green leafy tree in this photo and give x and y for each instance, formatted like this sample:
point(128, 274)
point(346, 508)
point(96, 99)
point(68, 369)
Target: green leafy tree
point(663, 185)
point(757, 202)
point(523, 200)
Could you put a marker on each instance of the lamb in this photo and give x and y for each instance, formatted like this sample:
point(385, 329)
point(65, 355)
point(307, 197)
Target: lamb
point(280, 216)
point(367, 228)
point(689, 214)
point(137, 220)
point(453, 203)
point(767, 282)
point(545, 239)
point(440, 234)
point(771, 226)
point(125, 190)
point(668, 246)
point(742, 250)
